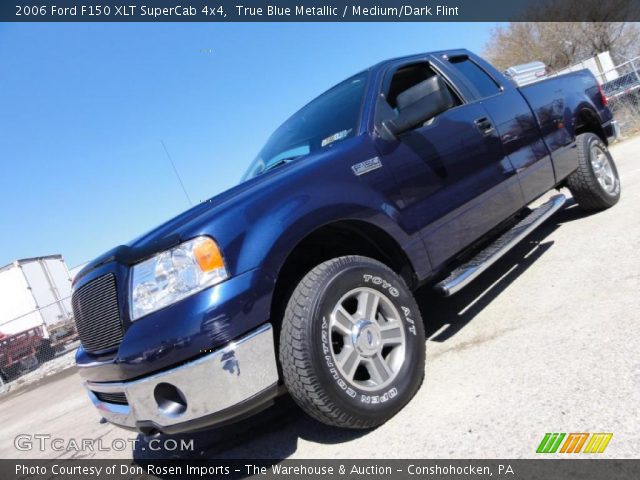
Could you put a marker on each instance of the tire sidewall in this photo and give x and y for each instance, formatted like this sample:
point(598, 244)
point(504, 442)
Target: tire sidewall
point(590, 141)
point(391, 398)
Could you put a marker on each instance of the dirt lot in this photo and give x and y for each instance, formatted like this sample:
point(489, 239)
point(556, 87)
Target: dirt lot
point(546, 341)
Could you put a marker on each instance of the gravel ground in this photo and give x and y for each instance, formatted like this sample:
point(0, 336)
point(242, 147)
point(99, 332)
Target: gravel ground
point(542, 342)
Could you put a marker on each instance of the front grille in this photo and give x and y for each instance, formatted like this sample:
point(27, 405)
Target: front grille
point(97, 314)
point(115, 397)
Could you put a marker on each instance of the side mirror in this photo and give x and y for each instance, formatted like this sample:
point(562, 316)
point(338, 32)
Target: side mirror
point(418, 104)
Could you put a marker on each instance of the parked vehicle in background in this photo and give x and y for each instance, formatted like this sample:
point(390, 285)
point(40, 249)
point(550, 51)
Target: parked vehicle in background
point(21, 352)
point(36, 316)
point(417, 171)
point(62, 334)
point(600, 65)
point(34, 291)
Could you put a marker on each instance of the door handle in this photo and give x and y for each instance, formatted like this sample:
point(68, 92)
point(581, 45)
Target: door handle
point(484, 125)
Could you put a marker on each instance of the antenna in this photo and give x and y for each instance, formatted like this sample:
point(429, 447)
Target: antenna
point(177, 173)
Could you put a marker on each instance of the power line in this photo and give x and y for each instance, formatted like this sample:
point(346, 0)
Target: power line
point(176, 172)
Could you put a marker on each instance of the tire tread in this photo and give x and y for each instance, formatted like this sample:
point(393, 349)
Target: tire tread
point(583, 184)
point(300, 379)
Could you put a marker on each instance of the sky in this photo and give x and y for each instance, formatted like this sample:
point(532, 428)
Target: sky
point(84, 109)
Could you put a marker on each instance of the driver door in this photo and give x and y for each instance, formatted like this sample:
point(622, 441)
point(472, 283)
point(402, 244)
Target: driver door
point(455, 182)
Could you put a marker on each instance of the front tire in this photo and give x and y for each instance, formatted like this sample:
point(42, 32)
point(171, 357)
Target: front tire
point(352, 345)
point(595, 185)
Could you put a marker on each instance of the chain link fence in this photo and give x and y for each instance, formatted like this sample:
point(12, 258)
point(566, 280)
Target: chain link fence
point(37, 344)
point(623, 94)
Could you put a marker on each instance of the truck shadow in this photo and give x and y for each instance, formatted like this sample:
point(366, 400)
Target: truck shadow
point(444, 317)
point(275, 432)
point(271, 434)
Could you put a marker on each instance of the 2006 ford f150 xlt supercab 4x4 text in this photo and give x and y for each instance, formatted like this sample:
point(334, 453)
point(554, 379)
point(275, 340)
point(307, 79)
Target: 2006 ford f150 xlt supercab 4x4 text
point(416, 171)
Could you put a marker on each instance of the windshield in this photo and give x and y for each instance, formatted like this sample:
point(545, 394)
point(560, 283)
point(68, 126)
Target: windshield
point(330, 118)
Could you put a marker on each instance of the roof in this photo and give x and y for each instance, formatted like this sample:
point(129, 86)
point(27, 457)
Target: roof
point(418, 56)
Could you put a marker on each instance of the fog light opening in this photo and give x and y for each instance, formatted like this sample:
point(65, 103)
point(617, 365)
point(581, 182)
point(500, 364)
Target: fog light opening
point(170, 399)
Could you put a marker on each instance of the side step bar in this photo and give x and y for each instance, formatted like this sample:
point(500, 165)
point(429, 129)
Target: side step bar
point(464, 274)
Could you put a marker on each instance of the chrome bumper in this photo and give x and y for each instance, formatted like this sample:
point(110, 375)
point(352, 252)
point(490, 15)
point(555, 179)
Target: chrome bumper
point(209, 385)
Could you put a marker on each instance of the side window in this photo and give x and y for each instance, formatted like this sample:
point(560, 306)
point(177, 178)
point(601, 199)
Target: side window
point(485, 85)
point(413, 96)
point(409, 76)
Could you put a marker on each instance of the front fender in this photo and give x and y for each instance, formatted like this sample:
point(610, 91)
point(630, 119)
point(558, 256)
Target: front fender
point(270, 240)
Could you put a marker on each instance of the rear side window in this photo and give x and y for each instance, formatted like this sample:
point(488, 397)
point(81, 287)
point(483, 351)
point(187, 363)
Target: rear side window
point(485, 85)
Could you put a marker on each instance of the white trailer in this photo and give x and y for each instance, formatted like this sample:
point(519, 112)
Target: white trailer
point(601, 65)
point(33, 292)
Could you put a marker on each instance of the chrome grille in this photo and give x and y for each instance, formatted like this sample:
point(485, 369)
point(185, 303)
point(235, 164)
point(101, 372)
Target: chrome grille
point(97, 315)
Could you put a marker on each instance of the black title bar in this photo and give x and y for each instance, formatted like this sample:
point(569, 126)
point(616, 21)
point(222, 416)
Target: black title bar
point(318, 10)
point(584, 469)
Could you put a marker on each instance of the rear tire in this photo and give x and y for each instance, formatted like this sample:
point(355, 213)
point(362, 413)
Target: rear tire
point(352, 345)
point(595, 185)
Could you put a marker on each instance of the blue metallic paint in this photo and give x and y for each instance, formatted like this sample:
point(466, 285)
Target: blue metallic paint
point(439, 189)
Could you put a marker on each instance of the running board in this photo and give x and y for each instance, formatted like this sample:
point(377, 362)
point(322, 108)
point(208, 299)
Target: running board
point(464, 274)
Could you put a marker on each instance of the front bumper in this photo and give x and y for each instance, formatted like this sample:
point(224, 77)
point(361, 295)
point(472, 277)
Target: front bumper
point(219, 387)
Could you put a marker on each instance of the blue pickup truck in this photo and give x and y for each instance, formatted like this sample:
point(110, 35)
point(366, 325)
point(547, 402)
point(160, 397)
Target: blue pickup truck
point(417, 171)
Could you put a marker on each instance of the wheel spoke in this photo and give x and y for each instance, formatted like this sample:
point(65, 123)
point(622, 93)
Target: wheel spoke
point(599, 171)
point(608, 175)
point(348, 360)
point(369, 324)
point(391, 334)
point(378, 369)
point(343, 321)
point(368, 305)
point(602, 169)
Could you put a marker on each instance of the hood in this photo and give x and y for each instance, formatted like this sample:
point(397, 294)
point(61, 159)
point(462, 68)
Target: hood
point(199, 218)
point(171, 232)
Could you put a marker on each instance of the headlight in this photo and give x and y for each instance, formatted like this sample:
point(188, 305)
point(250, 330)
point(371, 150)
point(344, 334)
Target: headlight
point(175, 274)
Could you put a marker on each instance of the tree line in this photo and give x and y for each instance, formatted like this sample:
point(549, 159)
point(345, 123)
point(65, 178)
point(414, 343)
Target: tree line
point(560, 44)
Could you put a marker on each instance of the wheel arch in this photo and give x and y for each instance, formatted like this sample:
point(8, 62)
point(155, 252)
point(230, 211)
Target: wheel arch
point(335, 239)
point(588, 121)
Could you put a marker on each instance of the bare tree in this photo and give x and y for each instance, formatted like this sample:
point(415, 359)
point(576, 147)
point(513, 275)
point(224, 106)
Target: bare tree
point(559, 43)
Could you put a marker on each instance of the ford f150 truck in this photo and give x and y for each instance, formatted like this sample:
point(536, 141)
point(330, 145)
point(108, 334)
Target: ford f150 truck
point(416, 171)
